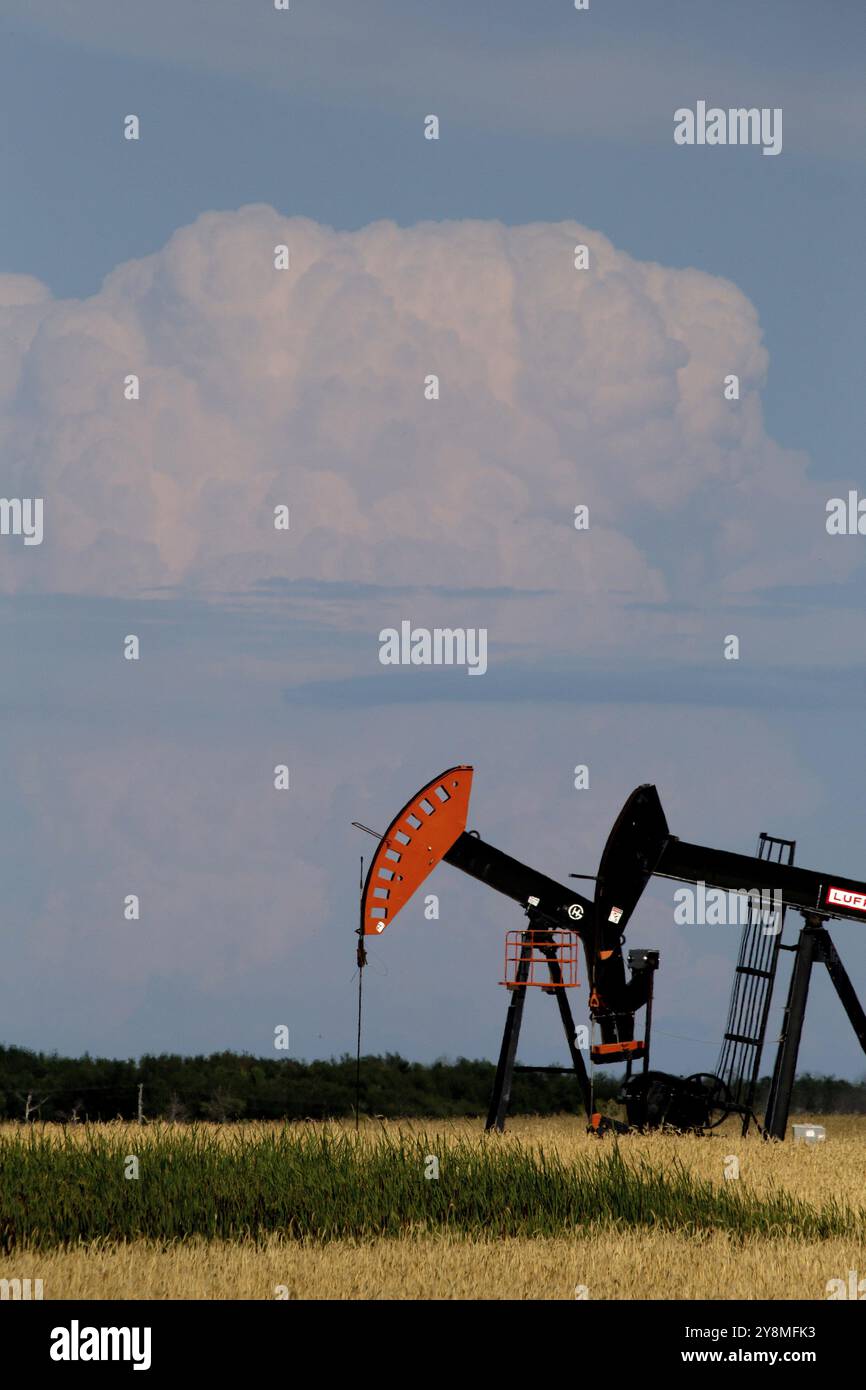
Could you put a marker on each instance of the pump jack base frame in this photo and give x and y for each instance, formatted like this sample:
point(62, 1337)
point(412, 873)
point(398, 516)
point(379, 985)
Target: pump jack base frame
point(813, 944)
point(507, 1064)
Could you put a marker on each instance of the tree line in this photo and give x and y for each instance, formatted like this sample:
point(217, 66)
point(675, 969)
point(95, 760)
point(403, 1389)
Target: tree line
point(236, 1086)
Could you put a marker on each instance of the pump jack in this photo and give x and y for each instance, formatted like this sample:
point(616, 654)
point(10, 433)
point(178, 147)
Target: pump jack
point(431, 828)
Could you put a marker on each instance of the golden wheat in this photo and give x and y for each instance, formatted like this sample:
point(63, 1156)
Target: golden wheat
point(608, 1264)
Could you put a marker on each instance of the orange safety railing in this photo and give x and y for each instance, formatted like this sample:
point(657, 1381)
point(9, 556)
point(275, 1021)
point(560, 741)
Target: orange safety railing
point(532, 949)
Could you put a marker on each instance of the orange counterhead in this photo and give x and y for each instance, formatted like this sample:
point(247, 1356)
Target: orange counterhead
point(413, 844)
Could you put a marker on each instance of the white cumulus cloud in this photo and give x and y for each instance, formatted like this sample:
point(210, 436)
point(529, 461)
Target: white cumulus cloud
point(306, 387)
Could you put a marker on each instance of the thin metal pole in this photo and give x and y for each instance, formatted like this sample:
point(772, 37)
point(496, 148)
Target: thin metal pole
point(362, 961)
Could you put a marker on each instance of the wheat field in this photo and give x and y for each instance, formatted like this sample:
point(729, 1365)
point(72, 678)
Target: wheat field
point(614, 1259)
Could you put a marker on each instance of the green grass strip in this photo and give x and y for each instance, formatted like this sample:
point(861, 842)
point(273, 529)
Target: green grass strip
point(327, 1185)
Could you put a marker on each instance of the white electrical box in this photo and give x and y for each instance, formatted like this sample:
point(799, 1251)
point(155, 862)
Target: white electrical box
point(809, 1134)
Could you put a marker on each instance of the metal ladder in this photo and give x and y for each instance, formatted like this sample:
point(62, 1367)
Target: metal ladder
point(752, 993)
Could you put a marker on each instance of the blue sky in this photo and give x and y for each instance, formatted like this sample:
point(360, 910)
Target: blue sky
point(157, 777)
point(550, 115)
